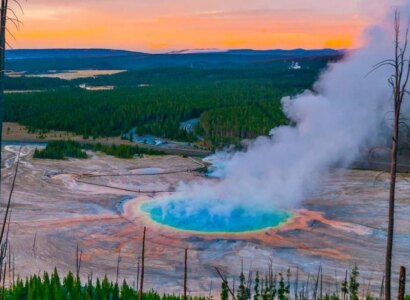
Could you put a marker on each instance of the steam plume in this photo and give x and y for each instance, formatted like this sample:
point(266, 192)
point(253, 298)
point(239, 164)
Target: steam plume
point(333, 124)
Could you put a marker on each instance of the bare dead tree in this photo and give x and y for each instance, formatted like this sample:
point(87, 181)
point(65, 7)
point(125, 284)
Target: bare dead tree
point(138, 271)
point(381, 293)
point(317, 282)
point(336, 284)
point(321, 284)
point(402, 283)
point(344, 290)
point(5, 10)
point(4, 241)
point(226, 282)
point(78, 261)
point(210, 291)
point(3, 289)
point(141, 287)
point(118, 266)
point(5, 229)
point(398, 82)
point(13, 272)
point(34, 244)
point(9, 262)
point(296, 283)
point(185, 273)
point(3, 42)
point(7, 14)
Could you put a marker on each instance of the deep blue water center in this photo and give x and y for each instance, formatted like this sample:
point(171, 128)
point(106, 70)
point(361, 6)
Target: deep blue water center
point(174, 213)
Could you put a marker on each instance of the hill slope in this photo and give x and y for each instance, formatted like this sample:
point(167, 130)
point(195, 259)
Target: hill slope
point(104, 59)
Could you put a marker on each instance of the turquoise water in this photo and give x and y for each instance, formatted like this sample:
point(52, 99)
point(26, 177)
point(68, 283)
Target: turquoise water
point(177, 214)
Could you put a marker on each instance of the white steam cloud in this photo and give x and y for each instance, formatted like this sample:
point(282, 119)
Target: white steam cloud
point(333, 124)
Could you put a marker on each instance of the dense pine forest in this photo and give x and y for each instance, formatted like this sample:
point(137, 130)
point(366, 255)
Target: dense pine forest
point(47, 287)
point(281, 286)
point(231, 103)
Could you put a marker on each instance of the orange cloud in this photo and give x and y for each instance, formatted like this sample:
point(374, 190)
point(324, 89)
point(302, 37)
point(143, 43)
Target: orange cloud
point(70, 26)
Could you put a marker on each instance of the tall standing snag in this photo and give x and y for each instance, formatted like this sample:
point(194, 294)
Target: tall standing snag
point(226, 283)
point(5, 9)
point(381, 289)
point(402, 283)
point(118, 266)
point(138, 272)
point(141, 291)
point(398, 82)
point(3, 22)
point(78, 261)
point(185, 273)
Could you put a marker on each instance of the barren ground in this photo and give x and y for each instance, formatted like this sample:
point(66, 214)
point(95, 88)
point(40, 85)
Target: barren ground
point(57, 205)
point(77, 74)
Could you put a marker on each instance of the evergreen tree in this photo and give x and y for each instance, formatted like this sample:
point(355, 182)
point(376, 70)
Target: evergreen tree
point(256, 296)
point(242, 293)
point(116, 292)
point(283, 290)
point(354, 284)
point(98, 291)
point(266, 289)
point(224, 291)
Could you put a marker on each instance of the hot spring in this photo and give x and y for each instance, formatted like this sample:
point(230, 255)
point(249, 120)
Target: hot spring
point(184, 214)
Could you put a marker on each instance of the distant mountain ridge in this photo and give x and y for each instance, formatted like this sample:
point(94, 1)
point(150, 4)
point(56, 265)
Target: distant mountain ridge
point(43, 60)
point(71, 53)
point(64, 53)
point(194, 51)
point(292, 52)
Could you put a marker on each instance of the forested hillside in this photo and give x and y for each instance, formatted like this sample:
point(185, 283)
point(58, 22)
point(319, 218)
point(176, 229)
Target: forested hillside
point(232, 103)
point(39, 61)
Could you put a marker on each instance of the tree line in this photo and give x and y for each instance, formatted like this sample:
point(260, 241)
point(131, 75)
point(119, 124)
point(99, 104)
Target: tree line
point(280, 286)
point(71, 149)
point(52, 287)
point(231, 104)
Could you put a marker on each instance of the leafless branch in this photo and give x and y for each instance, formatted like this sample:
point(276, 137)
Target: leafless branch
point(10, 197)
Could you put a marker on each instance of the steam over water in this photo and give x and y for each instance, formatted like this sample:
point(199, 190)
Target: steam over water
point(344, 115)
point(174, 214)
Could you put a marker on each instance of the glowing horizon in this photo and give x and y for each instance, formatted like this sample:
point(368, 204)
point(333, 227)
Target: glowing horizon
point(206, 24)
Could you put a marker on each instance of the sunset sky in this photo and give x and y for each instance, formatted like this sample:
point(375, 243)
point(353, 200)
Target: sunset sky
point(165, 25)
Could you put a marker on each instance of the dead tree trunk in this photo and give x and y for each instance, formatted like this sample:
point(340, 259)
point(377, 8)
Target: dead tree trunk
point(138, 272)
point(3, 20)
point(118, 267)
point(4, 11)
point(78, 260)
point(141, 291)
point(232, 292)
point(402, 283)
point(185, 273)
point(398, 82)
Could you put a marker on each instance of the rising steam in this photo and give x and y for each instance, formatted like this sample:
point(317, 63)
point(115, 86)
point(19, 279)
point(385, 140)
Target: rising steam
point(333, 124)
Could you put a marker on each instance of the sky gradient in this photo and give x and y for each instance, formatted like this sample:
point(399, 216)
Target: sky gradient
point(165, 25)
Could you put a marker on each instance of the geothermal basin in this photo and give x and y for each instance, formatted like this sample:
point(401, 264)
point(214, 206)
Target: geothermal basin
point(103, 204)
point(182, 214)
